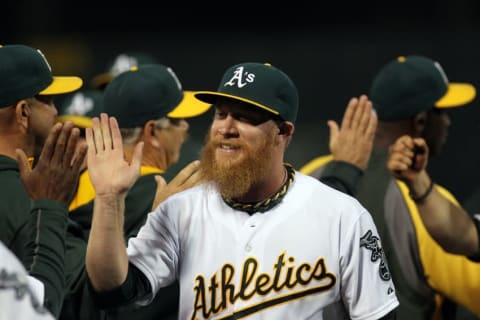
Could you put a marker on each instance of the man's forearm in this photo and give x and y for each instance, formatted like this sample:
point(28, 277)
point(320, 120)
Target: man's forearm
point(107, 261)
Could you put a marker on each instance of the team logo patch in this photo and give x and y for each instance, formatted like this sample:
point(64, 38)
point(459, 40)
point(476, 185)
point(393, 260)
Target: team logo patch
point(240, 78)
point(11, 281)
point(372, 243)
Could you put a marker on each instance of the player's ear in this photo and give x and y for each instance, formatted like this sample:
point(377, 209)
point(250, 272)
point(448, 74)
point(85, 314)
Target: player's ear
point(150, 133)
point(22, 112)
point(285, 128)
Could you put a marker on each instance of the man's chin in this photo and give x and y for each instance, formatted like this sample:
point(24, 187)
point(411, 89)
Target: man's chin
point(228, 160)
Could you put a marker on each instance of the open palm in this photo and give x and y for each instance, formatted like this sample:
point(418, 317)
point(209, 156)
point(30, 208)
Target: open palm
point(109, 172)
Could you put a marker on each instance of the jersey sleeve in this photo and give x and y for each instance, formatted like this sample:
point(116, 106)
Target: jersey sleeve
point(155, 250)
point(368, 289)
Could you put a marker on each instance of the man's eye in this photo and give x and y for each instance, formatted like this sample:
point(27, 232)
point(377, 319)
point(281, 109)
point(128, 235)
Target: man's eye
point(220, 115)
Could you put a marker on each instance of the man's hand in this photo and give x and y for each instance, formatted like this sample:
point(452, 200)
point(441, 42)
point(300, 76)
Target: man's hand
point(188, 177)
point(408, 158)
point(55, 176)
point(353, 142)
point(109, 172)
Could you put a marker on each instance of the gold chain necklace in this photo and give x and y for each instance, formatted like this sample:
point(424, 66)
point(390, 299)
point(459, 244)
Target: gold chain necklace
point(270, 202)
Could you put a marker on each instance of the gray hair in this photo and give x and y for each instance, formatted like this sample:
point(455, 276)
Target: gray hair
point(132, 135)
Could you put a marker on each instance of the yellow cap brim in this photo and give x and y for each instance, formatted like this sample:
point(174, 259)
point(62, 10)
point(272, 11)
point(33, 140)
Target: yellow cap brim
point(189, 107)
point(62, 85)
point(212, 96)
point(78, 121)
point(457, 95)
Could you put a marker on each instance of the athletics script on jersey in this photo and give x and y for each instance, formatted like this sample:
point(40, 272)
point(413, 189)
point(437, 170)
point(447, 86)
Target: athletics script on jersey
point(222, 290)
point(217, 294)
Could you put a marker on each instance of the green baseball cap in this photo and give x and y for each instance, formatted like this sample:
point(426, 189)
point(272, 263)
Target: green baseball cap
point(412, 84)
point(80, 107)
point(121, 63)
point(259, 84)
point(149, 92)
point(25, 72)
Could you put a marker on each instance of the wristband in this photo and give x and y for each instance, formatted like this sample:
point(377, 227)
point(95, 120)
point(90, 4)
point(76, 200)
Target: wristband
point(422, 197)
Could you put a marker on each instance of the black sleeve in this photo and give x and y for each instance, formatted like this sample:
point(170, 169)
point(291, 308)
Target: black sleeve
point(135, 287)
point(392, 315)
point(45, 259)
point(476, 257)
point(342, 176)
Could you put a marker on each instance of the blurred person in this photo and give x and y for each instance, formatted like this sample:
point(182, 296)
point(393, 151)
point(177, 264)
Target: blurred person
point(410, 95)
point(122, 62)
point(445, 220)
point(21, 296)
point(79, 108)
point(39, 168)
point(151, 108)
point(240, 243)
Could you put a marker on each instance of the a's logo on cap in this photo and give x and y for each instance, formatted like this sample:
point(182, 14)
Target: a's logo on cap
point(123, 63)
point(442, 73)
point(240, 78)
point(44, 59)
point(80, 104)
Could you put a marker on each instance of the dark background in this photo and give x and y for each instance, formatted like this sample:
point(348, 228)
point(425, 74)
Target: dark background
point(330, 50)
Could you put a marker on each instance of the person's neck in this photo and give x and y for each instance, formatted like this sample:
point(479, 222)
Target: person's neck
point(148, 159)
point(267, 187)
point(8, 145)
point(388, 132)
point(269, 202)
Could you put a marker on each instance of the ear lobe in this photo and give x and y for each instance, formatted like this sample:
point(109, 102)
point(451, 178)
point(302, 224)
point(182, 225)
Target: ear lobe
point(22, 111)
point(149, 136)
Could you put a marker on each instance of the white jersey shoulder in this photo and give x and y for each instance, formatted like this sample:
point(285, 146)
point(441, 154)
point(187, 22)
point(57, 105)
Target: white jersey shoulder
point(316, 255)
point(21, 296)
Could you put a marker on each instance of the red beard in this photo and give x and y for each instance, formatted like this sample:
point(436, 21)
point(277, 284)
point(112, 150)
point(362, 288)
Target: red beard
point(235, 176)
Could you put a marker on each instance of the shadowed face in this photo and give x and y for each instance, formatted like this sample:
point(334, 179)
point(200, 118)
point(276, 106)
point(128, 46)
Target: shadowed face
point(172, 136)
point(436, 130)
point(43, 115)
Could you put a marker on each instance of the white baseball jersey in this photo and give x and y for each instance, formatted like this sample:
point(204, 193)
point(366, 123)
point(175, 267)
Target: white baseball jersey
point(316, 255)
point(21, 296)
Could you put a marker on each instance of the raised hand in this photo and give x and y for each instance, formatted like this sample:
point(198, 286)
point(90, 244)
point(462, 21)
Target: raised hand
point(109, 172)
point(353, 141)
point(408, 157)
point(188, 177)
point(55, 176)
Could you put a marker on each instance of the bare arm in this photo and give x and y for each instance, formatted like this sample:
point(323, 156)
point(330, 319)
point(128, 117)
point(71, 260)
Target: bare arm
point(112, 176)
point(448, 223)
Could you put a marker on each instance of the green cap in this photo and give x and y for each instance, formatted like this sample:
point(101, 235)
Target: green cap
point(412, 84)
point(25, 72)
point(80, 107)
point(261, 85)
point(149, 92)
point(121, 63)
